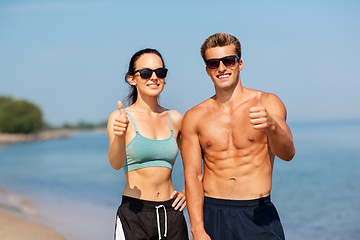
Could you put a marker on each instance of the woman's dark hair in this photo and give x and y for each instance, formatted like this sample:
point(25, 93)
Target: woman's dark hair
point(132, 97)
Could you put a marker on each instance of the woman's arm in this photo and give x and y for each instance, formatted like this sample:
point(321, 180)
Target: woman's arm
point(116, 129)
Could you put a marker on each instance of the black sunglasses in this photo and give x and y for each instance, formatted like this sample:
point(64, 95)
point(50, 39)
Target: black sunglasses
point(146, 73)
point(228, 61)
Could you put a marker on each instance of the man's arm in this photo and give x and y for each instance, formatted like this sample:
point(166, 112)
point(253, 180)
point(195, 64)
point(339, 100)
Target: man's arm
point(192, 161)
point(270, 115)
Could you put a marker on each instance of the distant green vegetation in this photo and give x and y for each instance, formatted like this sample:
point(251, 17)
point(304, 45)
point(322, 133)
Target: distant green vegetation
point(19, 116)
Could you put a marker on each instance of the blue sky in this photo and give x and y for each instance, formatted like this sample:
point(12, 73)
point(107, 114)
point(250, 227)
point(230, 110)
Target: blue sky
point(70, 57)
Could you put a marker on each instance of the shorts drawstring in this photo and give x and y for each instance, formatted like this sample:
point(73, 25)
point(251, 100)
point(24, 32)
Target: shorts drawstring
point(158, 220)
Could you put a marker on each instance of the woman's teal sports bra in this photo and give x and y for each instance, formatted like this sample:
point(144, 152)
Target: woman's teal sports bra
point(143, 152)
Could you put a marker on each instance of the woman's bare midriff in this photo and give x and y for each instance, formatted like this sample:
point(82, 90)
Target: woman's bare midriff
point(152, 184)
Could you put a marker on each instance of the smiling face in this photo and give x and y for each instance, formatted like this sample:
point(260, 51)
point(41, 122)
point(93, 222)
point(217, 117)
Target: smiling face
point(224, 77)
point(152, 86)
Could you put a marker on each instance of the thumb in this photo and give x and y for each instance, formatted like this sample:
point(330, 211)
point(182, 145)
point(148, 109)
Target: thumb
point(121, 110)
point(120, 105)
point(258, 98)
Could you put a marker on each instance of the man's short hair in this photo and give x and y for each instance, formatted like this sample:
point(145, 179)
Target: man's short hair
point(220, 40)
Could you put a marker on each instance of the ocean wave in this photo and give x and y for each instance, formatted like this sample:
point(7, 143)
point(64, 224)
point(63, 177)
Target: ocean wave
point(12, 202)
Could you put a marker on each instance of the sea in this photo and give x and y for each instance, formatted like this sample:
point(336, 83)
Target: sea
point(68, 184)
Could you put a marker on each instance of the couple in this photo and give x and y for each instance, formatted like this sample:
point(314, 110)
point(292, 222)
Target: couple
point(228, 144)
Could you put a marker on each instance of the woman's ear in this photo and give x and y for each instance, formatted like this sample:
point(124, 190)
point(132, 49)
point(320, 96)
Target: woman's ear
point(131, 80)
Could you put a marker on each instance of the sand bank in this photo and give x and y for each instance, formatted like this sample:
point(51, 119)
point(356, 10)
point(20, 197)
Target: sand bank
point(6, 138)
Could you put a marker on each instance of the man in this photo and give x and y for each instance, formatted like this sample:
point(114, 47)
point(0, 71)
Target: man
point(237, 132)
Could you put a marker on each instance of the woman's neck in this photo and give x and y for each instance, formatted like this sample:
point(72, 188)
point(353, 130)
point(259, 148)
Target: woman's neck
point(146, 106)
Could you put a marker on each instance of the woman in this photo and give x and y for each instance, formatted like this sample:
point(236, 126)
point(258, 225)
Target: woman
point(143, 140)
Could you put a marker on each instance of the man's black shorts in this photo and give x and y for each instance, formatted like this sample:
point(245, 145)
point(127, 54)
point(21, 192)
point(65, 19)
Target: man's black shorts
point(242, 219)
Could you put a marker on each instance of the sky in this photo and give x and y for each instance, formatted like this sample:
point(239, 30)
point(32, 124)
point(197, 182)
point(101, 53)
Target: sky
point(70, 57)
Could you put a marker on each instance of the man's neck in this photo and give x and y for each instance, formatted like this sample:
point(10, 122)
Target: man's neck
point(227, 97)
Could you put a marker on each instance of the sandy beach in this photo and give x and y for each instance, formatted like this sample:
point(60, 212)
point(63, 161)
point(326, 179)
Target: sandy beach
point(18, 220)
point(15, 228)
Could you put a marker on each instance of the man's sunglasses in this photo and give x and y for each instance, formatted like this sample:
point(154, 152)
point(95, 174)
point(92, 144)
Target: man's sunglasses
point(146, 73)
point(228, 61)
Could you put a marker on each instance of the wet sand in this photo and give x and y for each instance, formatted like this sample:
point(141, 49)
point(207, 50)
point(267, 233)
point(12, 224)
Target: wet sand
point(17, 220)
point(15, 228)
point(24, 216)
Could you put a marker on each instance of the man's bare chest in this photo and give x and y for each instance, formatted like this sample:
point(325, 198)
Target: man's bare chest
point(227, 131)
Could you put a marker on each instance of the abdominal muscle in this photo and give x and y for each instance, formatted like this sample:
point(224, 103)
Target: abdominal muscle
point(152, 184)
point(236, 177)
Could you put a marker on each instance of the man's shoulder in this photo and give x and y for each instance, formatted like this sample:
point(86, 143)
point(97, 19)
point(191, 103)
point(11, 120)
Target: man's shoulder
point(200, 108)
point(269, 100)
point(267, 96)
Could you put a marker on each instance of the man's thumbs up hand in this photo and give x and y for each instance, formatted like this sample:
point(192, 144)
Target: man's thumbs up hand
point(258, 114)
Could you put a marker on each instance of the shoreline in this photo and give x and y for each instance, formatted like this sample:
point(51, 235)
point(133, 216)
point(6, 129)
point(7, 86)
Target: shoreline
point(9, 138)
point(15, 228)
point(18, 220)
point(43, 216)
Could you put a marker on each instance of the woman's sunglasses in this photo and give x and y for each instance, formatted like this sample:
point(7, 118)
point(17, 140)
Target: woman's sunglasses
point(146, 73)
point(228, 61)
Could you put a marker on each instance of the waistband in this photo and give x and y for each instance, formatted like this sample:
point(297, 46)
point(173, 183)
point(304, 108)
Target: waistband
point(237, 203)
point(139, 204)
